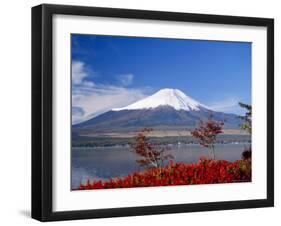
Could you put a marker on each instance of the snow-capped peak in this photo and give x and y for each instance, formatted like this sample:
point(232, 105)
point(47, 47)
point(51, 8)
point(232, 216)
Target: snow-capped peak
point(166, 97)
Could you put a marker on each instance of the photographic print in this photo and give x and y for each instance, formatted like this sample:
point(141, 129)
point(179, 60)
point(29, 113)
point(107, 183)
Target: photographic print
point(130, 106)
point(159, 112)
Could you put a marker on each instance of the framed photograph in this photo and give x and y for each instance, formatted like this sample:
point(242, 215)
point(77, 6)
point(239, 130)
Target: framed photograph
point(145, 112)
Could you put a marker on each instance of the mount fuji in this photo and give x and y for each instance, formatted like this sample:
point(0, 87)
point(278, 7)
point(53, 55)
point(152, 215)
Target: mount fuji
point(167, 109)
point(167, 97)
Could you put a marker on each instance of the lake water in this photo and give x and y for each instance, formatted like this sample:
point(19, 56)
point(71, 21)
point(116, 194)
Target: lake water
point(102, 163)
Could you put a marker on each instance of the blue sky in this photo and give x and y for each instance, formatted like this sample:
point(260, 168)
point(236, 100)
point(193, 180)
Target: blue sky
point(112, 71)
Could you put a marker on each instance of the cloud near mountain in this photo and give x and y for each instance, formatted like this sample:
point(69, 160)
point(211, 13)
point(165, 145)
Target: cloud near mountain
point(90, 99)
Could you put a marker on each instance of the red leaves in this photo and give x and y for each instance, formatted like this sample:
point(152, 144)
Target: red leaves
point(150, 155)
point(206, 171)
point(207, 133)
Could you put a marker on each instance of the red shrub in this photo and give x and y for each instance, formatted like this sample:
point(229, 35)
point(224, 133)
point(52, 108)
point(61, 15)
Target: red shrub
point(204, 172)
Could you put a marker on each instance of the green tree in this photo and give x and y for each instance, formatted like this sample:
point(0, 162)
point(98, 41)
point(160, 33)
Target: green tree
point(247, 125)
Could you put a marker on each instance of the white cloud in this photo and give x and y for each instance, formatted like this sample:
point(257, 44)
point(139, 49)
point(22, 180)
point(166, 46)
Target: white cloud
point(228, 105)
point(78, 72)
point(125, 79)
point(90, 99)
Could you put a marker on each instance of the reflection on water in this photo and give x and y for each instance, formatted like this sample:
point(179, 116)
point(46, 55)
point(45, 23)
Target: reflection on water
point(102, 163)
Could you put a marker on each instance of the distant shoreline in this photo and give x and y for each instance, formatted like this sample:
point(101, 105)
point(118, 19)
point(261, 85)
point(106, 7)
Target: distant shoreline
point(181, 144)
point(155, 133)
point(110, 141)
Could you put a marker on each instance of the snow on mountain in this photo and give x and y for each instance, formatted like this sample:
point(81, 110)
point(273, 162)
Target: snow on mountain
point(166, 97)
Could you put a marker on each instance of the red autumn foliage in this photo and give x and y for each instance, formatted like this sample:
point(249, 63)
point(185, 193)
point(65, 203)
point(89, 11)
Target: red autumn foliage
point(151, 156)
point(206, 171)
point(207, 133)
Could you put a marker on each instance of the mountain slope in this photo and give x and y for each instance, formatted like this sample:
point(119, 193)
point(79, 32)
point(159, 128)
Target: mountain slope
point(168, 109)
point(160, 118)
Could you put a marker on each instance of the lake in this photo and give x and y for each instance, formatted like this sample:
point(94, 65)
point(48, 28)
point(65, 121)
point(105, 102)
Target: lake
point(102, 163)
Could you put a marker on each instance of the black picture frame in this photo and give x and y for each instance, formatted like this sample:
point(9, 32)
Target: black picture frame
point(42, 107)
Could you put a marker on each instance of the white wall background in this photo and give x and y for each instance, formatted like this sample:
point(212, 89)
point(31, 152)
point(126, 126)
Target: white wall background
point(15, 118)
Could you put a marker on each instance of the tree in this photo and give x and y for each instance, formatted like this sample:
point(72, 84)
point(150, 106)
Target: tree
point(207, 132)
point(151, 156)
point(247, 125)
